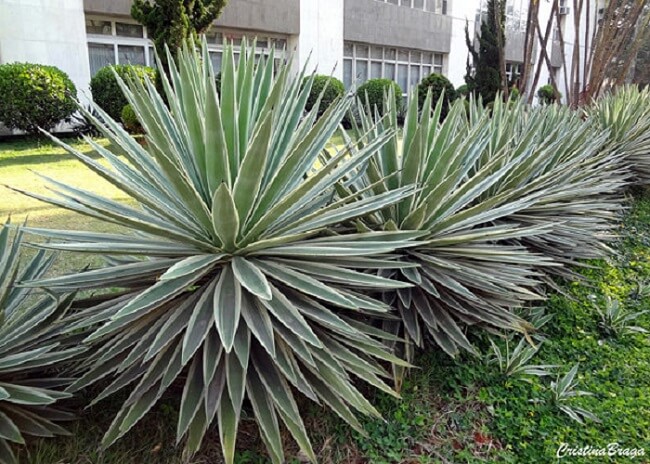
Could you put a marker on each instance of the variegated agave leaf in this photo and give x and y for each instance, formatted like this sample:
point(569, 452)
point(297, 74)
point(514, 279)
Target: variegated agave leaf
point(31, 342)
point(465, 274)
point(625, 115)
point(575, 175)
point(242, 289)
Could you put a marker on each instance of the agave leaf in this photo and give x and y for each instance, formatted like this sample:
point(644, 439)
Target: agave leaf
point(251, 277)
point(225, 218)
point(32, 340)
point(227, 307)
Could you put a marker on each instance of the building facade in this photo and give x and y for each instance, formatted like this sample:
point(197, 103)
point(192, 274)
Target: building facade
point(354, 40)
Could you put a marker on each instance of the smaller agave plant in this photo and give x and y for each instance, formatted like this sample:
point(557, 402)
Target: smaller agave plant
point(31, 341)
point(616, 320)
point(462, 273)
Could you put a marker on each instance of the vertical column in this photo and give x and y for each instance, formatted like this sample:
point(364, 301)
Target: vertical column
point(320, 43)
point(50, 32)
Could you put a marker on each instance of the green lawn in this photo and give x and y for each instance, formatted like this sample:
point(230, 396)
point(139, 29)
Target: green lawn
point(453, 411)
point(21, 162)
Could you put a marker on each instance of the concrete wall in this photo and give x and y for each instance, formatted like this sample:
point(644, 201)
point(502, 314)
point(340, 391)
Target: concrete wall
point(556, 54)
point(320, 43)
point(380, 23)
point(50, 32)
point(279, 16)
point(111, 8)
point(515, 45)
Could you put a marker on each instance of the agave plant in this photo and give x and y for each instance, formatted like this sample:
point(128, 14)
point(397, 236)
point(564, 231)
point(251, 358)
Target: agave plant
point(232, 279)
point(616, 320)
point(564, 389)
point(567, 165)
point(625, 115)
point(512, 362)
point(30, 342)
point(464, 275)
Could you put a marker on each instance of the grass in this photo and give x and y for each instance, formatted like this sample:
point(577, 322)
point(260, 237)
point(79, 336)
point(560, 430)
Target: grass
point(21, 161)
point(452, 411)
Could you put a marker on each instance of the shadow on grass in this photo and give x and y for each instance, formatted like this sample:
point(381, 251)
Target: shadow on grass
point(37, 159)
point(30, 152)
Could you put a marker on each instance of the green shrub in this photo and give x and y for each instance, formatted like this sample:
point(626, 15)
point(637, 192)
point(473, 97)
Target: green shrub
point(32, 324)
point(514, 94)
point(238, 288)
point(462, 91)
point(130, 120)
point(107, 93)
point(372, 91)
point(334, 90)
point(34, 95)
point(217, 82)
point(546, 95)
point(438, 84)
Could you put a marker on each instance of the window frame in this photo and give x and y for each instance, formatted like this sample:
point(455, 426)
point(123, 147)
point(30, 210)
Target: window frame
point(216, 46)
point(116, 40)
point(435, 64)
point(440, 7)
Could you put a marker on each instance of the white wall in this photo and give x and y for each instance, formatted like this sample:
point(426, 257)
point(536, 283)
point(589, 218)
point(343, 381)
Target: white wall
point(50, 32)
point(321, 35)
point(461, 12)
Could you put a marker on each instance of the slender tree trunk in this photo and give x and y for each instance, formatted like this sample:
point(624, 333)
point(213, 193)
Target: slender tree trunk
point(544, 44)
point(587, 47)
point(498, 8)
point(575, 67)
point(533, 11)
point(565, 68)
point(641, 37)
point(543, 55)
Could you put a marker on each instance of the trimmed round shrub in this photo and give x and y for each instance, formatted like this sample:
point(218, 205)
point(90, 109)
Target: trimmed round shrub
point(546, 95)
point(375, 89)
point(462, 91)
point(514, 94)
point(438, 84)
point(106, 91)
point(35, 95)
point(335, 89)
point(130, 120)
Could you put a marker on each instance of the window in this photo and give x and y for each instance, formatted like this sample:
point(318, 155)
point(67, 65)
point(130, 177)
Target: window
point(117, 42)
point(406, 67)
point(129, 30)
point(100, 55)
point(98, 26)
point(123, 42)
point(131, 54)
point(433, 6)
point(513, 71)
point(437, 6)
point(264, 44)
